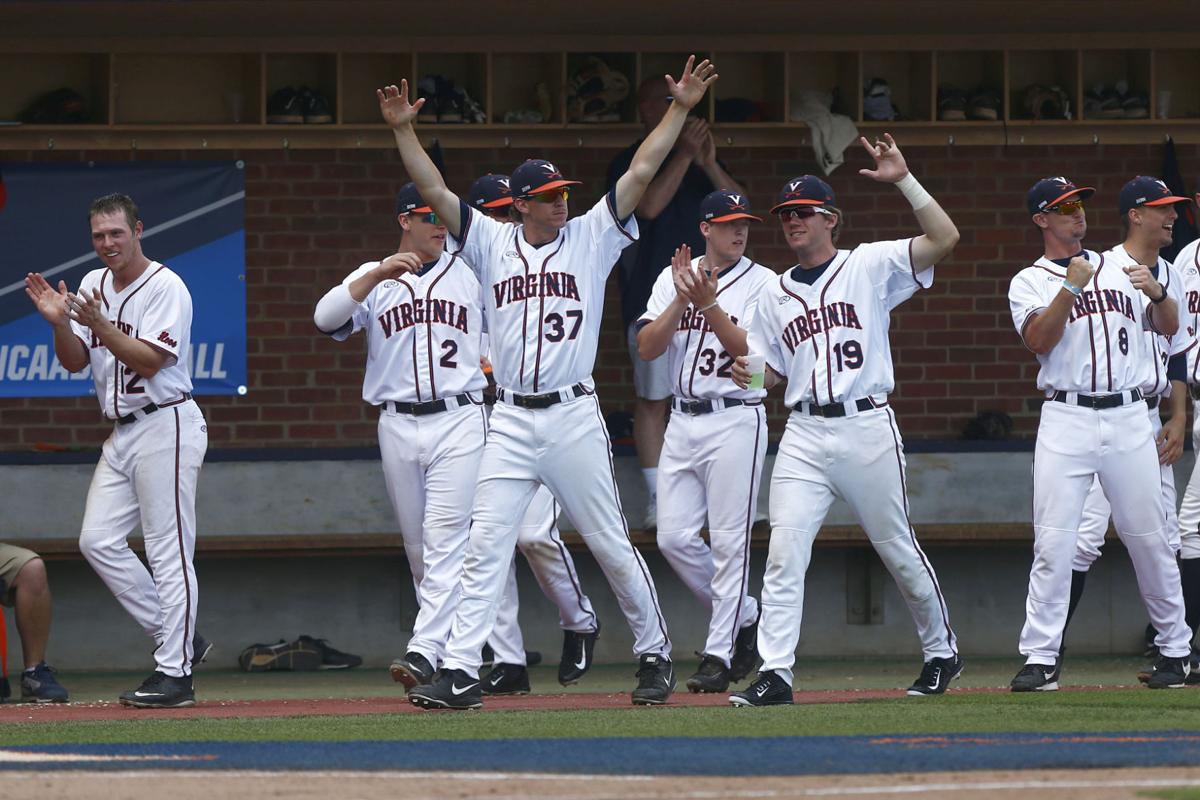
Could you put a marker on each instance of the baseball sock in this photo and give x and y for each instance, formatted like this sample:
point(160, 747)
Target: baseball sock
point(1078, 579)
point(1189, 574)
point(650, 474)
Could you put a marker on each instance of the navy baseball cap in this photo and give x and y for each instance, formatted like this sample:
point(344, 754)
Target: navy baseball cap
point(491, 191)
point(1049, 192)
point(536, 176)
point(723, 206)
point(1146, 191)
point(807, 190)
point(408, 201)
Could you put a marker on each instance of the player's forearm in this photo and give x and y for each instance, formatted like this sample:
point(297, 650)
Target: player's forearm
point(939, 235)
point(135, 354)
point(1164, 316)
point(732, 338)
point(71, 352)
point(663, 187)
point(429, 181)
point(654, 337)
point(648, 158)
point(1177, 404)
point(1046, 329)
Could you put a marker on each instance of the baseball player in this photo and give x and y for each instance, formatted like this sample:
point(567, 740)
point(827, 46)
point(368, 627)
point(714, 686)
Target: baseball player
point(1085, 322)
point(131, 322)
point(544, 288)
point(540, 542)
point(823, 327)
point(421, 310)
point(1144, 237)
point(716, 439)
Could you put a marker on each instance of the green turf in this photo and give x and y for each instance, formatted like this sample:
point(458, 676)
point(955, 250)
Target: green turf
point(1114, 710)
point(1175, 794)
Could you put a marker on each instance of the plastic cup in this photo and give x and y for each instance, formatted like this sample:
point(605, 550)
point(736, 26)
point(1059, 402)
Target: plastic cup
point(758, 367)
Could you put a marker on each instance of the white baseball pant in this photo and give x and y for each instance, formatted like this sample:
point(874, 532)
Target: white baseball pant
point(430, 463)
point(1074, 446)
point(147, 474)
point(539, 541)
point(1097, 511)
point(861, 459)
point(566, 448)
point(711, 465)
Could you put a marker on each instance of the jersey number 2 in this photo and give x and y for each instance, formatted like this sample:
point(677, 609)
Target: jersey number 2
point(451, 348)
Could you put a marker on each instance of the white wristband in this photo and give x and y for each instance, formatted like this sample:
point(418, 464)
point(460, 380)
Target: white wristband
point(713, 304)
point(914, 192)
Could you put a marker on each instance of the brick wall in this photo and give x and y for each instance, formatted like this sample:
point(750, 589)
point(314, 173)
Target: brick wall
point(313, 215)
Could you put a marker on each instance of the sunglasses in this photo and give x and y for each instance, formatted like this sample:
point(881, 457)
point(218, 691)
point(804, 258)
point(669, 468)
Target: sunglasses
point(432, 218)
point(803, 212)
point(1066, 209)
point(550, 196)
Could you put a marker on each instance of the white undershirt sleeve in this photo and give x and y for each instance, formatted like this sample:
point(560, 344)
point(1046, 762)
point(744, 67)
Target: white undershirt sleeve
point(335, 309)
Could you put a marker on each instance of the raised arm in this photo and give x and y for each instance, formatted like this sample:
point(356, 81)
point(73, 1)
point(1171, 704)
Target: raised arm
point(649, 156)
point(1045, 330)
point(400, 114)
point(939, 235)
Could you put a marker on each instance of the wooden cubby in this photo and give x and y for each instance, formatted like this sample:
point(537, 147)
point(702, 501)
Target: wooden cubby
point(214, 92)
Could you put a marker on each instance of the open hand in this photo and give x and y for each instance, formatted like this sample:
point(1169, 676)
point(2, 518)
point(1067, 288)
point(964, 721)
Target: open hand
point(87, 311)
point(394, 106)
point(694, 83)
point(51, 303)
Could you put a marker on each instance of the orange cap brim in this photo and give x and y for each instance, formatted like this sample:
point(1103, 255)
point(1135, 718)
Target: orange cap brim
point(1077, 190)
point(499, 202)
point(732, 217)
point(1166, 201)
point(546, 187)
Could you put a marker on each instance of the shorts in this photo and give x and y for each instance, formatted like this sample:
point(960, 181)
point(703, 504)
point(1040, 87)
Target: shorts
point(12, 560)
point(651, 379)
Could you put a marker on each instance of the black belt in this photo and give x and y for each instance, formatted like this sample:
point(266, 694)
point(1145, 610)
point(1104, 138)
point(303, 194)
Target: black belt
point(429, 406)
point(837, 409)
point(1152, 402)
point(150, 408)
point(537, 400)
point(1098, 401)
point(697, 407)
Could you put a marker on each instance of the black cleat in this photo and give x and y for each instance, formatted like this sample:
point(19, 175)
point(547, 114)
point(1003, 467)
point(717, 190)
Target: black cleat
point(577, 655)
point(712, 676)
point(1169, 673)
point(452, 689)
point(745, 653)
point(413, 670)
point(506, 679)
point(768, 689)
point(201, 648)
point(656, 681)
point(38, 685)
point(161, 691)
point(1036, 678)
point(935, 676)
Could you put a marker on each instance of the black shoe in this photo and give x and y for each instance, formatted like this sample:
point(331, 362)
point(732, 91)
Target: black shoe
point(413, 670)
point(285, 106)
point(507, 679)
point(452, 688)
point(314, 107)
point(1151, 649)
point(656, 681)
point(745, 653)
point(201, 648)
point(332, 658)
point(577, 655)
point(161, 691)
point(298, 656)
point(1193, 676)
point(1169, 673)
point(768, 689)
point(712, 676)
point(1036, 678)
point(487, 656)
point(935, 676)
point(38, 685)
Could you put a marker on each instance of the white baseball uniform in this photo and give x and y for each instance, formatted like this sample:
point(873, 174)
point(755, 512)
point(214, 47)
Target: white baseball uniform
point(544, 306)
point(423, 343)
point(149, 465)
point(830, 340)
point(1160, 349)
point(1094, 423)
point(712, 456)
point(1187, 268)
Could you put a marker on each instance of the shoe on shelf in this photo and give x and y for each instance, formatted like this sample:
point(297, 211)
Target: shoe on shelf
point(984, 104)
point(745, 652)
point(952, 103)
point(450, 689)
point(285, 106)
point(506, 679)
point(577, 650)
point(935, 676)
point(768, 689)
point(412, 670)
point(1170, 673)
point(161, 691)
point(38, 685)
point(1036, 678)
point(315, 107)
point(711, 677)
point(656, 681)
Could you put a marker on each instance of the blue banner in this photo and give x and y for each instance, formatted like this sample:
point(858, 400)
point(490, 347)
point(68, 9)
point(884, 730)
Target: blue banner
point(193, 215)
